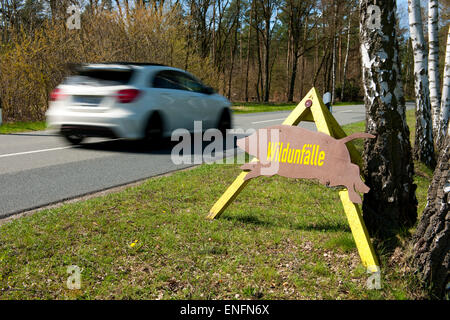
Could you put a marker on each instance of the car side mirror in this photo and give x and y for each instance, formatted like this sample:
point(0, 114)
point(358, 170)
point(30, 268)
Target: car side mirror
point(208, 90)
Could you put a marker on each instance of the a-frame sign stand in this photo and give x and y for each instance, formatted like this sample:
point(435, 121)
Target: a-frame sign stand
point(312, 109)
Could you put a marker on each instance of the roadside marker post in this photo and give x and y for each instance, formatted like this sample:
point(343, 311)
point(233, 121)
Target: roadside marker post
point(312, 109)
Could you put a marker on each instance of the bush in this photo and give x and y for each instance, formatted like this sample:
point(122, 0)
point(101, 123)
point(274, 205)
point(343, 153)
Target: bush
point(32, 64)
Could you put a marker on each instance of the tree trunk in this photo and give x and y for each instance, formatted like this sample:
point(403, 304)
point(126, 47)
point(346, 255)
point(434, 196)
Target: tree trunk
point(445, 100)
point(293, 77)
point(267, 59)
point(333, 66)
point(432, 239)
point(320, 65)
point(248, 50)
point(423, 144)
point(302, 77)
point(391, 202)
point(344, 76)
point(233, 47)
point(433, 63)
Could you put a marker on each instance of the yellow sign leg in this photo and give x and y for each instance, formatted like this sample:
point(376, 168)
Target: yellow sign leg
point(228, 196)
point(360, 234)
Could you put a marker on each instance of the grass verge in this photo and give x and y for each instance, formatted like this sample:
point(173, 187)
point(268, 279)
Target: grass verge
point(280, 239)
point(22, 127)
point(250, 107)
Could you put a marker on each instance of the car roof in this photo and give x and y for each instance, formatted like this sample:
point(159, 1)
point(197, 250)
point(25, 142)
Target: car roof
point(127, 63)
point(120, 65)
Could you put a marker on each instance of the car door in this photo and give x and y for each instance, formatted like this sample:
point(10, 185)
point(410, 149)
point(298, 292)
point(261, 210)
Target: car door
point(172, 99)
point(197, 99)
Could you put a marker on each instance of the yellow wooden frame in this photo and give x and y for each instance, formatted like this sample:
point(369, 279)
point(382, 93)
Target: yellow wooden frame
point(326, 123)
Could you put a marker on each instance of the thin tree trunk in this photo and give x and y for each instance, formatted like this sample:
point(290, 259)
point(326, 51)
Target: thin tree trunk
point(302, 77)
point(241, 64)
point(266, 60)
point(214, 44)
point(344, 76)
point(233, 48)
point(259, 81)
point(230, 75)
point(120, 8)
point(333, 66)
point(288, 61)
point(293, 77)
point(188, 44)
point(433, 63)
point(248, 50)
point(316, 55)
point(423, 144)
point(319, 68)
point(445, 103)
point(388, 168)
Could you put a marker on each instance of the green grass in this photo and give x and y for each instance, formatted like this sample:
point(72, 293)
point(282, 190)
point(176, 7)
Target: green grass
point(347, 103)
point(250, 107)
point(280, 239)
point(22, 127)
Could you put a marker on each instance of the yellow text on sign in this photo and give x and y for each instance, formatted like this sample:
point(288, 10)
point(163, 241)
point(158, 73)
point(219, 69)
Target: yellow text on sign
point(309, 154)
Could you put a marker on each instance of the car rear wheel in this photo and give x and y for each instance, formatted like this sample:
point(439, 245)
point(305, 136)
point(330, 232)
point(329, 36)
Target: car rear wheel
point(154, 131)
point(224, 122)
point(74, 139)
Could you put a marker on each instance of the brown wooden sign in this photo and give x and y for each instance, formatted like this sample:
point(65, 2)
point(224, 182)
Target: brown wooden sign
point(294, 152)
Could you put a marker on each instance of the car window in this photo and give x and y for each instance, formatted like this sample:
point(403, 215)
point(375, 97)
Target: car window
point(166, 79)
point(103, 76)
point(171, 79)
point(189, 83)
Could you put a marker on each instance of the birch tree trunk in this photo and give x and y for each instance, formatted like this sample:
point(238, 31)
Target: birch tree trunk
point(248, 49)
point(445, 103)
point(423, 144)
point(391, 202)
point(433, 63)
point(333, 66)
point(346, 56)
point(431, 242)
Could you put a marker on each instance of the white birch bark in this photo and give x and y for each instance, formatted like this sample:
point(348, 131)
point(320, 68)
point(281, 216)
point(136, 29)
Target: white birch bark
point(346, 55)
point(388, 166)
point(333, 74)
point(433, 63)
point(445, 101)
point(423, 144)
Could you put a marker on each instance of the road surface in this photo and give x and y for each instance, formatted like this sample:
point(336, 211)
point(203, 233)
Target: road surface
point(40, 168)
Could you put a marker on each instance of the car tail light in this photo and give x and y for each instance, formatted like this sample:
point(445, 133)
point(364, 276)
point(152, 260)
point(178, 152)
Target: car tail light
point(127, 95)
point(56, 95)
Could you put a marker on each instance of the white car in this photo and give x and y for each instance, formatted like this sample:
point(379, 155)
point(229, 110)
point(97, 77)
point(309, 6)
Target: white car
point(133, 101)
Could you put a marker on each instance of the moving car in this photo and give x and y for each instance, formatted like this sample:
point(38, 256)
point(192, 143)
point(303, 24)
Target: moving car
point(133, 101)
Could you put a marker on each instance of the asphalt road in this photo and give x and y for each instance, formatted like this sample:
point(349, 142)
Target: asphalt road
point(39, 168)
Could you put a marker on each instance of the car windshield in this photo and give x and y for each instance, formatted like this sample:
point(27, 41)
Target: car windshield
point(101, 76)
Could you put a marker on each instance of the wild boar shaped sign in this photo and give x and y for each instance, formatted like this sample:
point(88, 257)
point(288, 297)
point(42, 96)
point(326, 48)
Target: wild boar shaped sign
point(294, 152)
